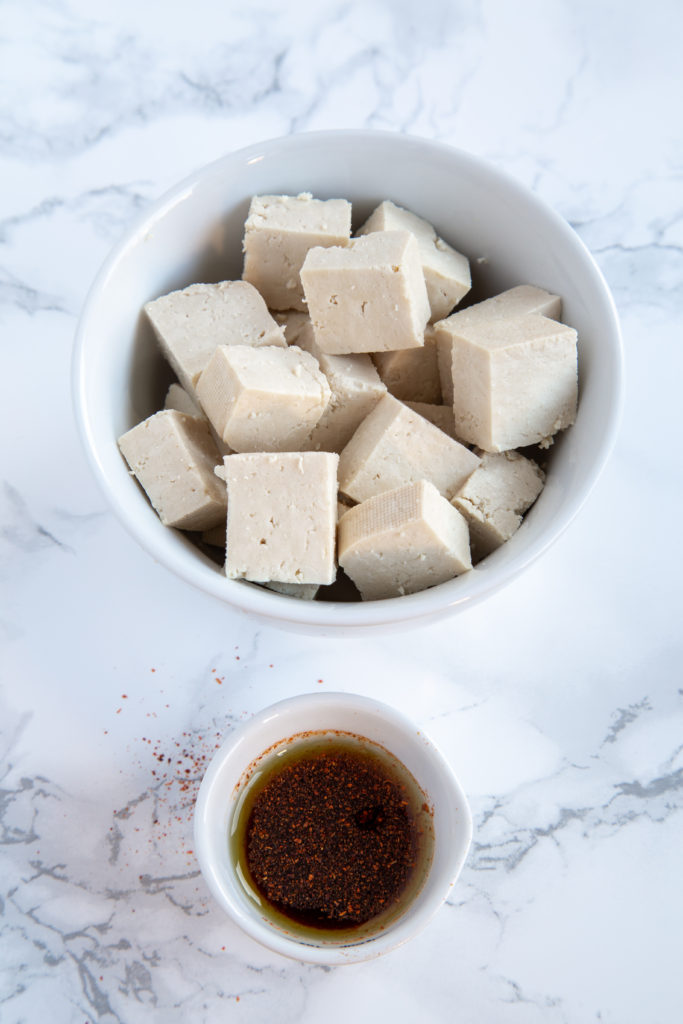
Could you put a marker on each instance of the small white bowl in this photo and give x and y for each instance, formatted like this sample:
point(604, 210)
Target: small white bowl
point(194, 234)
point(331, 712)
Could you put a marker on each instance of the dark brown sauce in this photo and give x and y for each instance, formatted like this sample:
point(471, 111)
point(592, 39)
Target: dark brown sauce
point(333, 836)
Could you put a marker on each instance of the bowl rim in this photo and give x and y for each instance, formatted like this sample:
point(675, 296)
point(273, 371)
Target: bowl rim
point(231, 759)
point(277, 609)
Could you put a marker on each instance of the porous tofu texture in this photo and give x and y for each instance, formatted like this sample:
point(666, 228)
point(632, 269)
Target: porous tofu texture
point(278, 233)
point(395, 446)
point(412, 374)
point(265, 399)
point(403, 541)
point(355, 389)
point(515, 382)
point(446, 271)
point(190, 324)
point(496, 496)
point(282, 517)
point(518, 301)
point(173, 456)
point(369, 296)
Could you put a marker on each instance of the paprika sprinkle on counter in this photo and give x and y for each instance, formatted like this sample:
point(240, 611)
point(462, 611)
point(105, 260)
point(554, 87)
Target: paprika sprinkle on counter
point(333, 835)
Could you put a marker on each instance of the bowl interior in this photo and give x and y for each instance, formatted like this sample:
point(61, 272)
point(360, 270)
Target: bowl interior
point(346, 713)
point(195, 233)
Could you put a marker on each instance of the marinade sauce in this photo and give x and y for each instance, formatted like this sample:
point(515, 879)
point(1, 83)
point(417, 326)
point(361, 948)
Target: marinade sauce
point(333, 836)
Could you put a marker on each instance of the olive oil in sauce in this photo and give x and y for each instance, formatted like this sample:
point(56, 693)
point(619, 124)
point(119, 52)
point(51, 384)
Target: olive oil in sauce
point(332, 836)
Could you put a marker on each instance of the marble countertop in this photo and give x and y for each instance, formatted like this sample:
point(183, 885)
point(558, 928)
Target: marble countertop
point(558, 701)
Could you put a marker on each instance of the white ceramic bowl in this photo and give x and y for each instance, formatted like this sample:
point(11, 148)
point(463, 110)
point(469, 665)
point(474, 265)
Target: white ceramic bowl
point(194, 234)
point(336, 712)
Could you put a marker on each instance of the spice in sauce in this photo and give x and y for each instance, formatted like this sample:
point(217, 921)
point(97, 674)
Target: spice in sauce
point(333, 835)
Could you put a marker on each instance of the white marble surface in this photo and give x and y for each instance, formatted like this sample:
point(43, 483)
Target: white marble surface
point(558, 702)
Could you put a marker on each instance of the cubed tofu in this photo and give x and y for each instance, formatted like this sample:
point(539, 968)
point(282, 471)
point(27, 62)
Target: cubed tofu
point(263, 399)
point(282, 517)
point(173, 458)
point(395, 446)
point(496, 496)
point(440, 415)
point(190, 324)
point(278, 233)
point(514, 302)
point(514, 381)
point(177, 398)
point(403, 541)
point(302, 591)
point(369, 296)
point(215, 537)
point(412, 374)
point(355, 390)
point(293, 323)
point(446, 271)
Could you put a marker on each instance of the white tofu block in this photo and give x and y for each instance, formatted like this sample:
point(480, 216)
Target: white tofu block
point(514, 381)
point(177, 398)
point(369, 296)
point(412, 374)
point(302, 591)
point(282, 517)
point(263, 399)
point(342, 507)
point(446, 271)
point(278, 233)
point(173, 458)
point(355, 390)
point(403, 541)
point(191, 323)
point(514, 302)
point(216, 535)
point(495, 498)
point(293, 323)
point(440, 415)
point(395, 446)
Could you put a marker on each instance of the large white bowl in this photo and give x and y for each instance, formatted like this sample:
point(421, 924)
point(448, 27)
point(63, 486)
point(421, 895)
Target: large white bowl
point(194, 234)
point(229, 772)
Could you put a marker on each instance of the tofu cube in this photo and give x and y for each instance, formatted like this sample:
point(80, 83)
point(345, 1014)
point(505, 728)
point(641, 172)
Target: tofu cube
point(514, 381)
point(278, 233)
point(395, 446)
point(412, 374)
point(403, 541)
point(446, 271)
point(216, 536)
point(177, 398)
point(293, 323)
point(302, 591)
point(173, 458)
point(369, 296)
point(263, 399)
point(514, 302)
point(440, 415)
point(190, 324)
point(495, 498)
point(355, 390)
point(282, 517)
